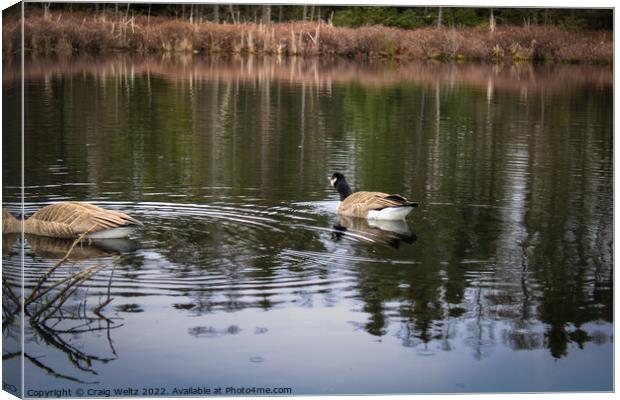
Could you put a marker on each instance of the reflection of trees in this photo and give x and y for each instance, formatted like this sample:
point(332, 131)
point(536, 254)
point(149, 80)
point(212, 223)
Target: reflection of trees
point(319, 73)
point(211, 332)
point(234, 265)
point(514, 175)
point(544, 266)
point(55, 308)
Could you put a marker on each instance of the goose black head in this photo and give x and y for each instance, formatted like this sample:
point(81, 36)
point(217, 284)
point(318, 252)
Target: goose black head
point(339, 182)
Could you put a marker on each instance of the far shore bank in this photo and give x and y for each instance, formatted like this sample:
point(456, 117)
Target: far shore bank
point(89, 33)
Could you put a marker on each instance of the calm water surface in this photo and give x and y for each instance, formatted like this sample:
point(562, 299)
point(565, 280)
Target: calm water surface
point(244, 275)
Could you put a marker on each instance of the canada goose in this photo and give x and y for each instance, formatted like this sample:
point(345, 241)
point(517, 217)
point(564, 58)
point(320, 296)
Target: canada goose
point(72, 219)
point(371, 205)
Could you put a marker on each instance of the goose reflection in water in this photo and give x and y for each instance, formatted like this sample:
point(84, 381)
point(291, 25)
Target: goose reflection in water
point(55, 248)
point(8, 242)
point(389, 232)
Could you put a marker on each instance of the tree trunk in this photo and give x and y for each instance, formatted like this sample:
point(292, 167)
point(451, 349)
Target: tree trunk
point(232, 13)
point(46, 10)
point(439, 15)
point(266, 14)
point(216, 13)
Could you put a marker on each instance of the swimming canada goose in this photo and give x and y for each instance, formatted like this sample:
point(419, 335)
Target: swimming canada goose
point(372, 205)
point(70, 220)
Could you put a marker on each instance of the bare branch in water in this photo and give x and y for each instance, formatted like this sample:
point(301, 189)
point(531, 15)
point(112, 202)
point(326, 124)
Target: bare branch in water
point(51, 371)
point(48, 312)
point(58, 263)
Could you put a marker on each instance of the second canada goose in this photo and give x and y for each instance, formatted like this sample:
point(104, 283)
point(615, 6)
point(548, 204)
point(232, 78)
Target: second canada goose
point(72, 219)
point(371, 205)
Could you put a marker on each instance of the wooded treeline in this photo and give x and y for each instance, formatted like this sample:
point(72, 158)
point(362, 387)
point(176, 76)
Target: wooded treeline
point(400, 17)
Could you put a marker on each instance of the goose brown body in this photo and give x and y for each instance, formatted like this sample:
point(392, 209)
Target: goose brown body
point(69, 220)
point(359, 204)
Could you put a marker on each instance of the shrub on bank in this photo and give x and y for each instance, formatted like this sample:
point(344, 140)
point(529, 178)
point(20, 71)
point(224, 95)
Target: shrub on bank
point(91, 33)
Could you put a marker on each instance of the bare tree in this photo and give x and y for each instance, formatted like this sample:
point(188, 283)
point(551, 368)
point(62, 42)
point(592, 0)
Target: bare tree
point(439, 16)
point(232, 13)
point(46, 10)
point(266, 14)
point(216, 13)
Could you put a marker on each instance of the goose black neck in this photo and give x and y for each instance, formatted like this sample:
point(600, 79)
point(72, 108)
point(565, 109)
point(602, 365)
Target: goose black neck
point(344, 189)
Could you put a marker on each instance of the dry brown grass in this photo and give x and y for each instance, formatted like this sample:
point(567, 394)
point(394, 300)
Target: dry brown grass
point(89, 33)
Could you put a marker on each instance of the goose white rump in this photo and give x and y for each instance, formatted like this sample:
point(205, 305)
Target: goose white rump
point(114, 233)
point(390, 213)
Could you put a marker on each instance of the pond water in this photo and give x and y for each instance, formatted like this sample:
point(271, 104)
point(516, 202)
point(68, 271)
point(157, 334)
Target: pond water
point(244, 275)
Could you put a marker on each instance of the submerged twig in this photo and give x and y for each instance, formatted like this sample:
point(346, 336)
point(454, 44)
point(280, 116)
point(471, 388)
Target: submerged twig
point(97, 310)
point(74, 280)
point(75, 276)
point(51, 371)
point(58, 263)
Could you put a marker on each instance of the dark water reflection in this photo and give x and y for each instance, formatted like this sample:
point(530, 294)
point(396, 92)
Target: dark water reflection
point(500, 281)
